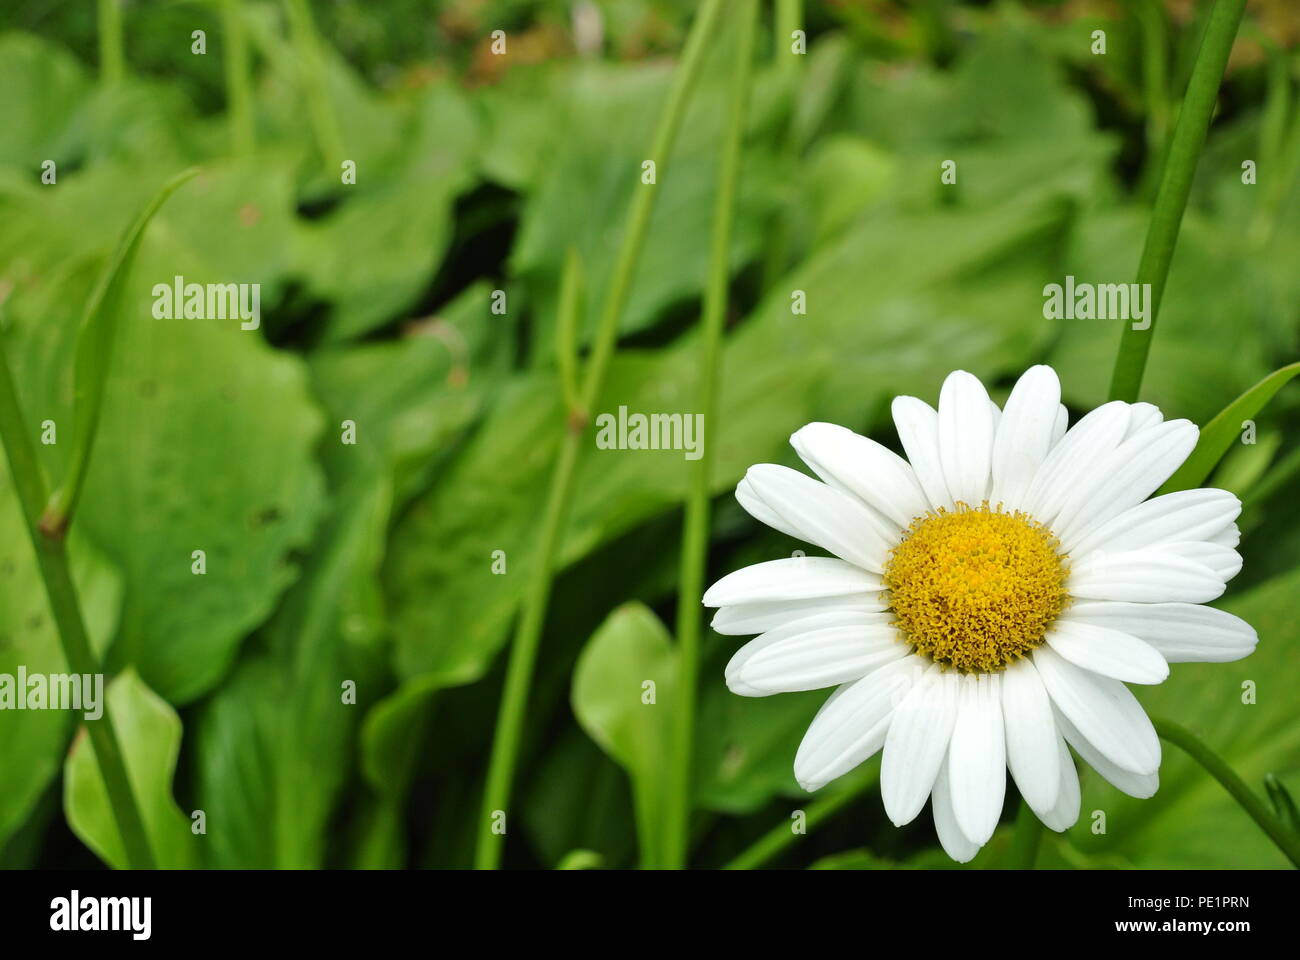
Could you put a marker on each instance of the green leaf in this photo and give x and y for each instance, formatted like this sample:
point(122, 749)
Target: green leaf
point(1283, 804)
point(43, 86)
point(149, 732)
point(374, 256)
point(1218, 435)
point(94, 356)
point(623, 688)
point(579, 798)
point(206, 443)
point(596, 151)
point(581, 860)
point(274, 743)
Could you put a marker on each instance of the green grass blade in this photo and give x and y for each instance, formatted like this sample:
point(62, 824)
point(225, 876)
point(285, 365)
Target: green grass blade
point(1219, 434)
point(94, 354)
point(1175, 187)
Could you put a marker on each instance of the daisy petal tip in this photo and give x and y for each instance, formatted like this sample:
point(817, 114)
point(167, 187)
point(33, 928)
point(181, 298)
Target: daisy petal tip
point(960, 854)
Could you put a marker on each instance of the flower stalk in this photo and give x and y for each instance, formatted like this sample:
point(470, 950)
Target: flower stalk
point(56, 573)
point(523, 650)
point(1287, 841)
point(695, 528)
point(112, 57)
point(1175, 186)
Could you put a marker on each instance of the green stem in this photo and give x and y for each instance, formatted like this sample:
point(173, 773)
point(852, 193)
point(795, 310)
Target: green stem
point(1024, 842)
point(566, 339)
point(1175, 186)
point(789, 18)
point(52, 559)
point(1181, 737)
point(1155, 73)
point(112, 58)
point(695, 531)
point(523, 651)
point(239, 95)
point(773, 843)
point(315, 86)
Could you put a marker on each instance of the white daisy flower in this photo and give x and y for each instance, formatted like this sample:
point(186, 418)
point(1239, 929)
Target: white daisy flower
point(987, 601)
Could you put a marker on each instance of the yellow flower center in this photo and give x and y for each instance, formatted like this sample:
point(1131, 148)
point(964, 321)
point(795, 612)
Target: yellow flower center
point(976, 588)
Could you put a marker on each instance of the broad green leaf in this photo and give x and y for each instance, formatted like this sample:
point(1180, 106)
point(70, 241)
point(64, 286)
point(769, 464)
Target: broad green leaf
point(597, 147)
point(149, 732)
point(43, 87)
point(1192, 821)
point(581, 860)
point(32, 742)
point(1219, 434)
point(623, 690)
point(413, 398)
point(373, 256)
point(274, 743)
point(578, 798)
point(205, 443)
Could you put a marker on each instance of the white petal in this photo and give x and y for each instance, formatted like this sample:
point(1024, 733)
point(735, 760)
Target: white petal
point(1024, 435)
point(1126, 477)
point(1224, 561)
point(1144, 576)
point(792, 578)
point(1182, 632)
point(955, 843)
point(918, 431)
point(1229, 536)
point(1103, 710)
point(851, 725)
point(1106, 651)
point(1032, 752)
point(862, 467)
point(1143, 417)
point(1181, 516)
point(822, 515)
point(965, 437)
point(754, 505)
point(747, 619)
point(917, 744)
point(1065, 812)
point(1134, 784)
point(819, 651)
point(1093, 437)
point(977, 759)
point(1061, 425)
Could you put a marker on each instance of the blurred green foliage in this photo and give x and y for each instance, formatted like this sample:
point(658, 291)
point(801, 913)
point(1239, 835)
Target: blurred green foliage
point(373, 563)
